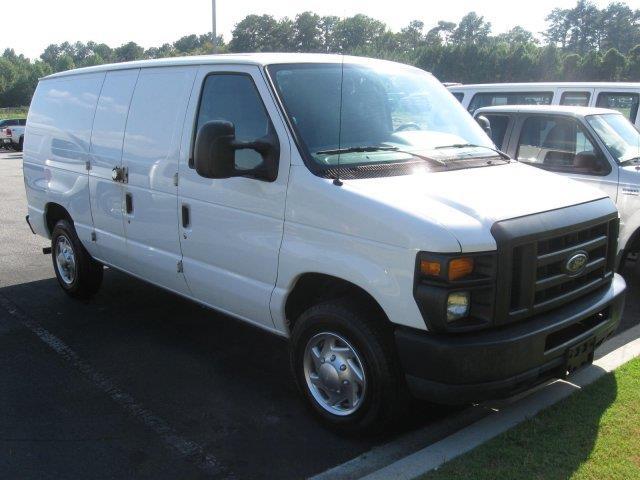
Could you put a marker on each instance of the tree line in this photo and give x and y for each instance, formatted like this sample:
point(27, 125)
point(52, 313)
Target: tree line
point(583, 43)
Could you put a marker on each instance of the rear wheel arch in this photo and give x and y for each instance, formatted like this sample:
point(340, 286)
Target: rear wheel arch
point(54, 212)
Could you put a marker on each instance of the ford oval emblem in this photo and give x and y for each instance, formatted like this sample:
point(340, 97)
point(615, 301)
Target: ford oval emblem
point(576, 263)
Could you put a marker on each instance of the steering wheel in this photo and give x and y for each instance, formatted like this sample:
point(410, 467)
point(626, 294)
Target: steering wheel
point(408, 126)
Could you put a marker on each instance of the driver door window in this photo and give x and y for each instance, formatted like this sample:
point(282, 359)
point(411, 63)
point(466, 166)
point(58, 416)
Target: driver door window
point(234, 98)
point(559, 145)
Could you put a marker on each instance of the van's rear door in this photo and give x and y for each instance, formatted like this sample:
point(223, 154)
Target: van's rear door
point(231, 229)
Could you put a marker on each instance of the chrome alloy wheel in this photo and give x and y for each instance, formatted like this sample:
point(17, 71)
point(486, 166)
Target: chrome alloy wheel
point(334, 374)
point(65, 260)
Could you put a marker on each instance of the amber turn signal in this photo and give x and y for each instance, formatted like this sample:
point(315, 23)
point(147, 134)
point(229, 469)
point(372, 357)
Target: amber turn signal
point(460, 268)
point(430, 268)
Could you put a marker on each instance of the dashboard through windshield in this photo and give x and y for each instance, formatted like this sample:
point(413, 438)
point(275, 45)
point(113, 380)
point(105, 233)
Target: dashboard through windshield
point(376, 113)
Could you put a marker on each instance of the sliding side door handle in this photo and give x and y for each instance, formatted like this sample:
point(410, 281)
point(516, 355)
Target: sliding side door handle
point(186, 216)
point(128, 202)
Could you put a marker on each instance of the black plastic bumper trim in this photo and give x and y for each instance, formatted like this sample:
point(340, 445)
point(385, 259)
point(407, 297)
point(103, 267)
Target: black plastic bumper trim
point(494, 363)
point(29, 223)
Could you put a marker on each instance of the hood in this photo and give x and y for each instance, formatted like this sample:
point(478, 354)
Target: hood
point(468, 202)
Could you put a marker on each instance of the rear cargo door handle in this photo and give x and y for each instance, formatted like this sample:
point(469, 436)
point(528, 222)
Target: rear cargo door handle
point(186, 216)
point(128, 202)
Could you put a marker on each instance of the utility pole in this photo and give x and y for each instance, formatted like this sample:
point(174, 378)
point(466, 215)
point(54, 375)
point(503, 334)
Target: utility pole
point(213, 23)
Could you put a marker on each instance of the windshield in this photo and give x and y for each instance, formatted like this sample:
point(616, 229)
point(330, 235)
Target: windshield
point(618, 134)
point(377, 113)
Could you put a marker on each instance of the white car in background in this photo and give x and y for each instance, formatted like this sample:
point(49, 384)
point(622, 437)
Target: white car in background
point(8, 128)
point(16, 137)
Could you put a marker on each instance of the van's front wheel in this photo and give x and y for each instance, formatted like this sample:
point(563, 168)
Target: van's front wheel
point(79, 275)
point(344, 363)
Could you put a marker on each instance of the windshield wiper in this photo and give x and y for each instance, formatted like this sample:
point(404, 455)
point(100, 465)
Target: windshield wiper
point(473, 145)
point(363, 149)
point(380, 148)
point(631, 161)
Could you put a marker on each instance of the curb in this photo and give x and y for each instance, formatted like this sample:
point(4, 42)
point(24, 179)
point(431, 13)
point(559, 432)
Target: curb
point(619, 350)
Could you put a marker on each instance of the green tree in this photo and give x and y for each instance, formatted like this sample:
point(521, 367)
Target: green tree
point(620, 27)
point(307, 33)
point(571, 67)
point(441, 34)
point(472, 29)
point(633, 65)
point(261, 33)
point(613, 65)
point(411, 37)
point(129, 52)
point(357, 32)
point(591, 67)
point(517, 36)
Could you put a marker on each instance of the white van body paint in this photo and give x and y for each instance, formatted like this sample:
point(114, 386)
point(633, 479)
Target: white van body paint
point(255, 239)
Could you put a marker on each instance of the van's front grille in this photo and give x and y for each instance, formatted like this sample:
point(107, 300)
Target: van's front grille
point(541, 271)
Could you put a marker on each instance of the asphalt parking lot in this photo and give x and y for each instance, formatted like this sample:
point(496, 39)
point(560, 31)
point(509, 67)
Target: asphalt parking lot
point(139, 383)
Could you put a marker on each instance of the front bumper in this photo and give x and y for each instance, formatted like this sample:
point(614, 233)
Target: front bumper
point(469, 367)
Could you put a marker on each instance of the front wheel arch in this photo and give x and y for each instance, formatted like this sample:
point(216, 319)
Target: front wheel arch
point(314, 288)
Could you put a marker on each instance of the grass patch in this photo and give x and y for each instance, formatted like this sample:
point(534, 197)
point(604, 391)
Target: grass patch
point(591, 435)
point(19, 112)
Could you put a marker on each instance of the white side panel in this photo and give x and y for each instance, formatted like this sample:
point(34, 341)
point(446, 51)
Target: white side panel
point(150, 154)
point(106, 153)
point(56, 148)
point(231, 247)
point(383, 271)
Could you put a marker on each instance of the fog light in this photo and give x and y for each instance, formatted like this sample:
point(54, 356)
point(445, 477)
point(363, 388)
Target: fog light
point(457, 306)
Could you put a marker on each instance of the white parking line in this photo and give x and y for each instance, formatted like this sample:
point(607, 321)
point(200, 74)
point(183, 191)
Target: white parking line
point(184, 448)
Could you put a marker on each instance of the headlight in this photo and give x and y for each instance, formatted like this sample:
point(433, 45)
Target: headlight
point(451, 269)
point(456, 292)
point(457, 306)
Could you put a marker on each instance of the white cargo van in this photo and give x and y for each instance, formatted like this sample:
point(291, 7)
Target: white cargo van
point(349, 204)
point(623, 97)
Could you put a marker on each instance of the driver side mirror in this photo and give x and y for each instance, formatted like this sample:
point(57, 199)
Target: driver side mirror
point(485, 124)
point(215, 153)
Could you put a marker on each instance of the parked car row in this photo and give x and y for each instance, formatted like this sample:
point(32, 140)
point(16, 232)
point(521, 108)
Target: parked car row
point(348, 204)
point(12, 133)
point(623, 97)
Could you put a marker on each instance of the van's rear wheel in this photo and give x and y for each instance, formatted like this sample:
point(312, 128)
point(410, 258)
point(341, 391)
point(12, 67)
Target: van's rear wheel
point(79, 275)
point(345, 365)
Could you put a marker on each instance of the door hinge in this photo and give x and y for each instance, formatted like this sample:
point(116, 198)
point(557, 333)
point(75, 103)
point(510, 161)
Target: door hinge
point(180, 267)
point(87, 165)
point(175, 179)
point(93, 236)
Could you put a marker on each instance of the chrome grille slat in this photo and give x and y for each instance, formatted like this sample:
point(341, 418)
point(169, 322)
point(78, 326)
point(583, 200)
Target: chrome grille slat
point(539, 277)
point(548, 258)
point(559, 279)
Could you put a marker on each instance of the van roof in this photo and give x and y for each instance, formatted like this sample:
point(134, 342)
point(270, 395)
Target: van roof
point(259, 59)
point(550, 109)
point(540, 85)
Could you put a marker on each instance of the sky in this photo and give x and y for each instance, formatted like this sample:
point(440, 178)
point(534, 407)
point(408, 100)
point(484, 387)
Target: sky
point(38, 23)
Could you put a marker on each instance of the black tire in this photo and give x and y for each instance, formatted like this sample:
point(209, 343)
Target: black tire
point(372, 337)
point(20, 144)
point(87, 277)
